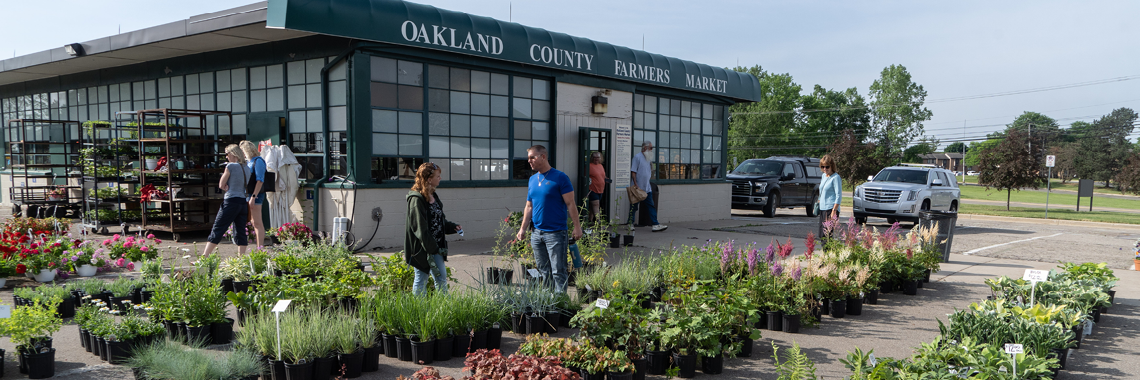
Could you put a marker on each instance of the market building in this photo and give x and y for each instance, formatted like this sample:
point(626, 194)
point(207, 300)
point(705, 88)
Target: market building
point(364, 91)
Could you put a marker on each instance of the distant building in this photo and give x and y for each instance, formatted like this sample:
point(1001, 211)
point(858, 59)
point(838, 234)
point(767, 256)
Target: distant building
point(948, 161)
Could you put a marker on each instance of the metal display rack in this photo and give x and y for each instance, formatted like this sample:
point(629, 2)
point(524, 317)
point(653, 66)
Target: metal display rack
point(105, 153)
point(191, 173)
point(43, 153)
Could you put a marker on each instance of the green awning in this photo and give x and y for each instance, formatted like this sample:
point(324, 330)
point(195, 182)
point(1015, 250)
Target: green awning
point(411, 24)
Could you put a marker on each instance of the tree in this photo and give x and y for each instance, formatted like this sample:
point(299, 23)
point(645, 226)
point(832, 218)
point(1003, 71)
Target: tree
point(977, 149)
point(1063, 167)
point(1104, 146)
point(854, 159)
point(1129, 177)
point(1010, 165)
point(761, 129)
point(896, 110)
point(926, 145)
point(956, 147)
point(825, 114)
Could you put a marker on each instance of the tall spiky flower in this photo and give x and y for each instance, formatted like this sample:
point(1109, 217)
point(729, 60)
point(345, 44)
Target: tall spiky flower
point(777, 269)
point(753, 258)
point(809, 242)
point(786, 248)
point(771, 255)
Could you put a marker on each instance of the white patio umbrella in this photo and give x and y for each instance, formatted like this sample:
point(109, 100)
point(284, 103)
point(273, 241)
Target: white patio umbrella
point(281, 161)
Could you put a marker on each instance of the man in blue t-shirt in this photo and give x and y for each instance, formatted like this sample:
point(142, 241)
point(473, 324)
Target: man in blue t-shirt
point(549, 199)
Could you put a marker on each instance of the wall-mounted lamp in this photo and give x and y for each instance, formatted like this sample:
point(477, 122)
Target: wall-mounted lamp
point(74, 50)
point(601, 104)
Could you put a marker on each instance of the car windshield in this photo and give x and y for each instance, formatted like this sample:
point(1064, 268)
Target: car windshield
point(902, 175)
point(758, 167)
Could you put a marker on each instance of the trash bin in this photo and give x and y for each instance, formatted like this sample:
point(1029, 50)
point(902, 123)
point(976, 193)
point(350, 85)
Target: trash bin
point(946, 222)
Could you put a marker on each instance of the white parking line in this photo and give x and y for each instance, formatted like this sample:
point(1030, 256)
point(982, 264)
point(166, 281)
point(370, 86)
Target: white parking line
point(973, 251)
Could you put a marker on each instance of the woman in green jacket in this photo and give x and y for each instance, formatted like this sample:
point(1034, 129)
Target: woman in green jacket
point(425, 247)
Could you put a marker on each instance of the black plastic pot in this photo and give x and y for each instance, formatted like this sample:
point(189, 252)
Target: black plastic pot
point(324, 368)
point(855, 306)
point(825, 306)
point(403, 349)
point(146, 295)
point(41, 365)
point(639, 368)
point(492, 275)
point(20, 364)
point(592, 376)
point(423, 353)
point(494, 338)
point(1111, 297)
point(615, 241)
point(478, 340)
point(102, 347)
point(460, 346)
point(792, 323)
point(1062, 356)
point(776, 320)
point(762, 323)
point(627, 240)
point(886, 287)
point(518, 322)
point(227, 285)
point(276, 369)
point(817, 313)
point(66, 309)
point(443, 348)
point(118, 352)
point(301, 371)
point(553, 320)
point(687, 364)
point(658, 362)
point(926, 276)
point(919, 283)
point(627, 375)
point(712, 365)
point(872, 297)
point(371, 361)
point(535, 324)
point(83, 339)
point(910, 287)
point(746, 344)
point(1096, 315)
point(199, 334)
point(838, 308)
point(352, 363)
point(222, 332)
point(93, 344)
point(241, 286)
point(1079, 335)
point(389, 345)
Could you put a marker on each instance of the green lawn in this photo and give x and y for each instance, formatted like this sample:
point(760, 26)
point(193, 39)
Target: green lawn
point(1059, 199)
point(1064, 214)
point(1057, 185)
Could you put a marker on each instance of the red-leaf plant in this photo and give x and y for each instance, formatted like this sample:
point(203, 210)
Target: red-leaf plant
point(490, 365)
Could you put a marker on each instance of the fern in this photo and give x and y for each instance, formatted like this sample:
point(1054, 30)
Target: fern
point(796, 366)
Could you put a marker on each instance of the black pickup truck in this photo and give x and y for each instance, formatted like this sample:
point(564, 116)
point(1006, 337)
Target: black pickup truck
point(776, 182)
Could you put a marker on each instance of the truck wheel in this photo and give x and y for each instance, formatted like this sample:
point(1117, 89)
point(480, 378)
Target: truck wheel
point(891, 220)
point(860, 219)
point(954, 206)
point(772, 205)
point(811, 207)
point(925, 207)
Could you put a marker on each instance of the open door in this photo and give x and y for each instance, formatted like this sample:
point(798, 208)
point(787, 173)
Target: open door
point(592, 140)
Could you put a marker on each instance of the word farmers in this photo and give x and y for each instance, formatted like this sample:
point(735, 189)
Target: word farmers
point(560, 57)
point(706, 83)
point(643, 72)
point(444, 36)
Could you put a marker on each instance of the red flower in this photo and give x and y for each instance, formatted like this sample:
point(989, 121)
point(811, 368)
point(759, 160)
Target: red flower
point(21, 268)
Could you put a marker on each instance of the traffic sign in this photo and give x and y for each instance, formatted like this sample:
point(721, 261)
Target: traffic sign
point(1050, 161)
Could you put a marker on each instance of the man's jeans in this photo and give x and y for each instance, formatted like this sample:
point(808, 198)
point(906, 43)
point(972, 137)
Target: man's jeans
point(438, 274)
point(550, 248)
point(648, 202)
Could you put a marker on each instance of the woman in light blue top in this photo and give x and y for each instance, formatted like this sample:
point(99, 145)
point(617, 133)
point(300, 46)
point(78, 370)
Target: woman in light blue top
point(830, 192)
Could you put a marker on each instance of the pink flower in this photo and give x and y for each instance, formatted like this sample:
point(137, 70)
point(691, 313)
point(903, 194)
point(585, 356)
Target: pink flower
point(116, 237)
point(130, 266)
point(157, 241)
point(150, 236)
point(128, 244)
point(120, 262)
point(144, 248)
point(107, 242)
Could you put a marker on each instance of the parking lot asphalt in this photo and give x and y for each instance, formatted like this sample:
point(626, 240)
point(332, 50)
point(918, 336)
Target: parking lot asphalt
point(982, 248)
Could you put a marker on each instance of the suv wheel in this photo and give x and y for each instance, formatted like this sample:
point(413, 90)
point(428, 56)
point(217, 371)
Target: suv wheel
point(810, 208)
point(772, 205)
point(954, 206)
point(860, 219)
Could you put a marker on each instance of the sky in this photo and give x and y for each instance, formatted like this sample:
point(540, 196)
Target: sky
point(953, 49)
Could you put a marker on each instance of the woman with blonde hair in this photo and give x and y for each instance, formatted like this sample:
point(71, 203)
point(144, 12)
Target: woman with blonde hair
point(830, 193)
point(425, 247)
point(257, 168)
point(234, 209)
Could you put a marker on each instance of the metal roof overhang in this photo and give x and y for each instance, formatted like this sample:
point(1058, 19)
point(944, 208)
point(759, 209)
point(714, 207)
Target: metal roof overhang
point(423, 26)
point(241, 26)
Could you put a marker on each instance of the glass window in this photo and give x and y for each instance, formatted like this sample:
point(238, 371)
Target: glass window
point(689, 140)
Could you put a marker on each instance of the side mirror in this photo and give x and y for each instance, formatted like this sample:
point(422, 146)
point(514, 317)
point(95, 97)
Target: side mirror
point(937, 182)
point(787, 177)
point(870, 178)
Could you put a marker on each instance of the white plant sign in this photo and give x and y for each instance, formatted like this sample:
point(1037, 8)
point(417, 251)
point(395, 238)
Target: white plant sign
point(602, 303)
point(1034, 276)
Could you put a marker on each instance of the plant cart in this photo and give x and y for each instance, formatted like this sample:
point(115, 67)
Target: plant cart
point(178, 170)
point(44, 156)
point(104, 154)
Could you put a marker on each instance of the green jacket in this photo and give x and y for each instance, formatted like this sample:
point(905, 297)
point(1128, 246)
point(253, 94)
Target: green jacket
point(418, 241)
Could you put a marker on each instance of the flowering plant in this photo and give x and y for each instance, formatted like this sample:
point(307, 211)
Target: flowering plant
point(39, 254)
point(131, 248)
point(292, 231)
point(249, 231)
point(1137, 253)
point(57, 192)
point(87, 252)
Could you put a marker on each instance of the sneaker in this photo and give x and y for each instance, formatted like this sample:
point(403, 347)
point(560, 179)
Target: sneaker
point(660, 227)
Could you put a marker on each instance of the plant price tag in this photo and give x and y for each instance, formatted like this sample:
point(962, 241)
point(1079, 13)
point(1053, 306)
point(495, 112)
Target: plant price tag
point(534, 273)
point(5, 311)
point(1014, 349)
point(602, 303)
point(1036, 275)
point(281, 306)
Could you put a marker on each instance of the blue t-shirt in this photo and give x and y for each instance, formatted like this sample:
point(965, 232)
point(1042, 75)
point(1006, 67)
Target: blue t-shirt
point(545, 195)
point(257, 167)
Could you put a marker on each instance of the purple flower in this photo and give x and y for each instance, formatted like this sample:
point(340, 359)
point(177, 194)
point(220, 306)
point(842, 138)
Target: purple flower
point(753, 258)
point(796, 273)
point(75, 258)
point(725, 258)
point(777, 269)
point(771, 255)
point(99, 251)
point(62, 274)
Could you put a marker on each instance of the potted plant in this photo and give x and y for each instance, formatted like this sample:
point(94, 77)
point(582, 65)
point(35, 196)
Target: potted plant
point(56, 194)
point(30, 328)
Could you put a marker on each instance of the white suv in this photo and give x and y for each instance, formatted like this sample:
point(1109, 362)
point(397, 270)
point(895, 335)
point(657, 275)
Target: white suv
point(900, 193)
